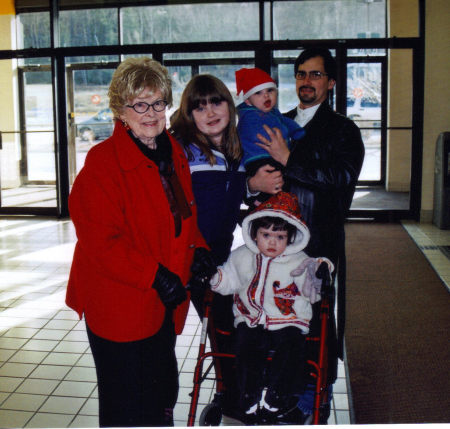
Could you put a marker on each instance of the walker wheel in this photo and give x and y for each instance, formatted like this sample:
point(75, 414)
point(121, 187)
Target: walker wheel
point(211, 415)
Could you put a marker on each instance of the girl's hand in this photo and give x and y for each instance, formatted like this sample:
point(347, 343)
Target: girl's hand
point(276, 145)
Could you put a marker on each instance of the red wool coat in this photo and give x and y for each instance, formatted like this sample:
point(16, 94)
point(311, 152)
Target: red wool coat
point(125, 228)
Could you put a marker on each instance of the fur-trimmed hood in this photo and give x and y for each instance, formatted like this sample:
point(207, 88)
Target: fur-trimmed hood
point(283, 205)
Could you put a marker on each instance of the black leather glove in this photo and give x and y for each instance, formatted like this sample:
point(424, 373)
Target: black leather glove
point(203, 264)
point(169, 287)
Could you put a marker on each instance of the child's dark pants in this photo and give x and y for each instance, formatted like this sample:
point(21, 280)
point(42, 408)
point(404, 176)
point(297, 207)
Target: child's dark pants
point(281, 374)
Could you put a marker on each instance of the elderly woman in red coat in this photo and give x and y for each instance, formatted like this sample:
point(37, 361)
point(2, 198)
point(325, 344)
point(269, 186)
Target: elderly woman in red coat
point(138, 246)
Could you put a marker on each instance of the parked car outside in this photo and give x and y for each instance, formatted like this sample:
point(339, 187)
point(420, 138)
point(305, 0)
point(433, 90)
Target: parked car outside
point(365, 111)
point(98, 127)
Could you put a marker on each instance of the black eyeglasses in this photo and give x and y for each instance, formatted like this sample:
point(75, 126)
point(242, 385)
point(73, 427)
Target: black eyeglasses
point(313, 75)
point(142, 106)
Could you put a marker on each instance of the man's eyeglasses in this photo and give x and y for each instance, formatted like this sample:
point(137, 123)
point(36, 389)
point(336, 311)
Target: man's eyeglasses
point(142, 106)
point(313, 75)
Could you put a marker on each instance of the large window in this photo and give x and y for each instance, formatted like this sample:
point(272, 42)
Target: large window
point(190, 23)
point(329, 19)
point(207, 22)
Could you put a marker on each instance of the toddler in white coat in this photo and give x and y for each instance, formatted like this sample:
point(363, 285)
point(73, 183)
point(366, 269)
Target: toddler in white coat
point(273, 282)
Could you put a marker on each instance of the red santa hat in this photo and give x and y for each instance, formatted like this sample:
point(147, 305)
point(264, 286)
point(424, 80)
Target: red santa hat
point(250, 81)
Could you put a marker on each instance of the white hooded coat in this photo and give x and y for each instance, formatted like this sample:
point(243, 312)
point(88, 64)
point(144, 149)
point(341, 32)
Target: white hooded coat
point(264, 290)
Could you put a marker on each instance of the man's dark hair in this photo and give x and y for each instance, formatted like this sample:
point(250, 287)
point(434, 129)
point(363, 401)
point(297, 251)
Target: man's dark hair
point(277, 224)
point(328, 61)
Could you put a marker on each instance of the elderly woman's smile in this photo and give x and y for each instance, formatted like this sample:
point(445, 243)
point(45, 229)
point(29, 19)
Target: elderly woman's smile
point(146, 126)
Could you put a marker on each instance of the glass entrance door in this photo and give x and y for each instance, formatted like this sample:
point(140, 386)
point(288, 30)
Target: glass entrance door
point(90, 119)
point(28, 175)
point(364, 93)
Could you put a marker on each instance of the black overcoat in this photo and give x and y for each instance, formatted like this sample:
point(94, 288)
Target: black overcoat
point(322, 170)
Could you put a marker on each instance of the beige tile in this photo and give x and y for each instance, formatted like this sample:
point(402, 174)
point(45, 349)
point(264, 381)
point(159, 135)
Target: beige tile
point(50, 372)
point(66, 315)
point(47, 420)
point(40, 345)
point(12, 343)
point(75, 388)
point(24, 401)
point(76, 336)
point(21, 332)
point(37, 386)
point(61, 324)
point(28, 356)
point(62, 405)
point(85, 422)
point(9, 384)
point(14, 419)
point(90, 408)
point(82, 374)
point(50, 334)
point(340, 401)
point(54, 358)
point(3, 396)
point(72, 346)
point(342, 417)
point(86, 360)
point(12, 369)
point(5, 354)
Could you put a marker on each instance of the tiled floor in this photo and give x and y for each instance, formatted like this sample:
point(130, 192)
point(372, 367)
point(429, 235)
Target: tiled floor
point(47, 376)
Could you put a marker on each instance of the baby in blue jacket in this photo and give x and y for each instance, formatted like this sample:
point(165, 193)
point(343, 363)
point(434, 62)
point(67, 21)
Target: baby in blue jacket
point(259, 93)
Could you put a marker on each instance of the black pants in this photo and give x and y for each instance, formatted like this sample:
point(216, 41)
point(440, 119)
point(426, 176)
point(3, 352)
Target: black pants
point(282, 375)
point(137, 380)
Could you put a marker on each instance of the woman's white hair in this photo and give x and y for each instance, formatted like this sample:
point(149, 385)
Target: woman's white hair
point(132, 76)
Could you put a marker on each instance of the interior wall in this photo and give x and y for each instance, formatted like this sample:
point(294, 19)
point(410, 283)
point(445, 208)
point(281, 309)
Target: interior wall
point(436, 93)
point(10, 154)
point(403, 21)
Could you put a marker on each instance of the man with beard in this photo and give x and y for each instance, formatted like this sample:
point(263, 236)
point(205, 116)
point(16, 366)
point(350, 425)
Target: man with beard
point(322, 169)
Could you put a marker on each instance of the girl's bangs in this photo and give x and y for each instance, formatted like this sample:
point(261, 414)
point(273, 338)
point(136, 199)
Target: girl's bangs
point(203, 100)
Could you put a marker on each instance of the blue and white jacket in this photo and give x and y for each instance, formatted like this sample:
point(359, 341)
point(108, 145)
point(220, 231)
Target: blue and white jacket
point(219, 191)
